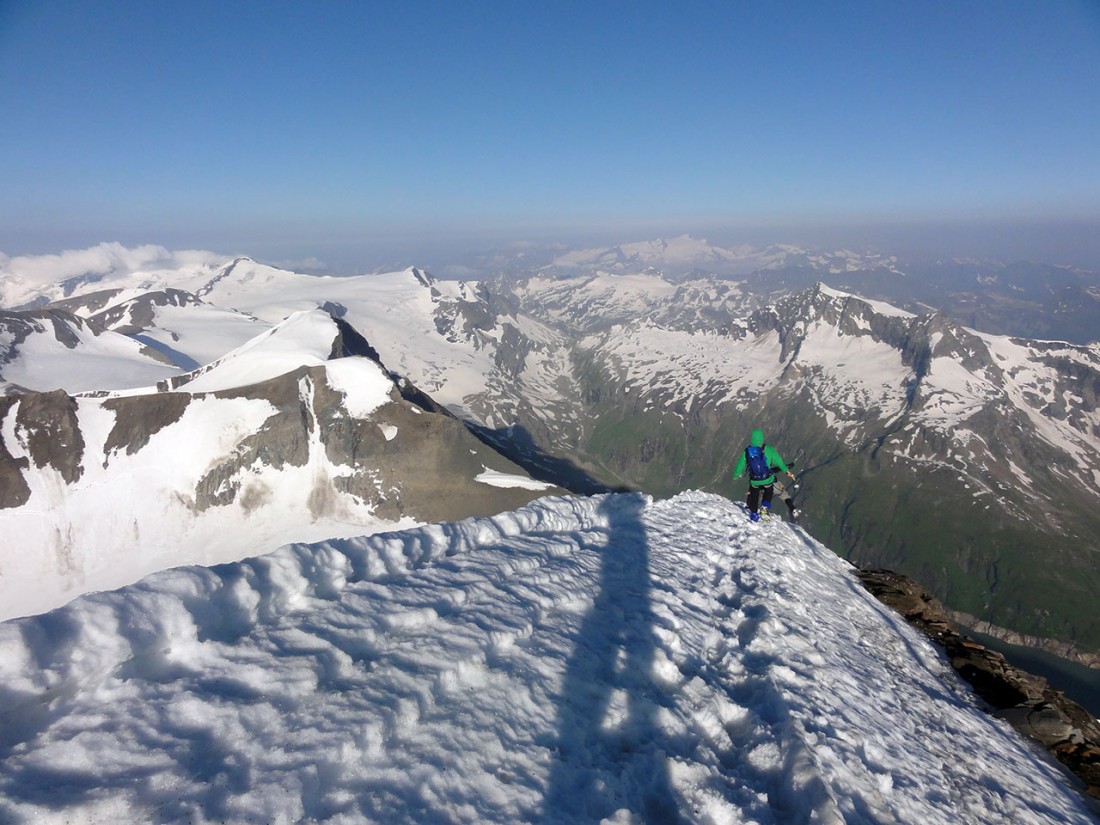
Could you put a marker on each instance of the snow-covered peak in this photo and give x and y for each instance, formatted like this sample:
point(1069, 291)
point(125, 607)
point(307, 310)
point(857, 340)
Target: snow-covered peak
point(687, 256)
point(607, 659)
point(677, 256)
point(881, 307)
point(305, 338)
point(834, 261)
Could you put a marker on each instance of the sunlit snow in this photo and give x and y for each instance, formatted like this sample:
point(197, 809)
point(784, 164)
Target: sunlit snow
point(580, 660)
point(499, 479)
point(140, 507)
point(94, 362)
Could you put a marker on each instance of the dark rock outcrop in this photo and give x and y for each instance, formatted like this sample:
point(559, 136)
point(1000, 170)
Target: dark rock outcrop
point(138, 418)
point(14, 490)
point(48, 424)
point(137, 314)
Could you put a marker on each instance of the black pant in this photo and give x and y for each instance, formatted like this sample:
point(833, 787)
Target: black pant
point(754, 497)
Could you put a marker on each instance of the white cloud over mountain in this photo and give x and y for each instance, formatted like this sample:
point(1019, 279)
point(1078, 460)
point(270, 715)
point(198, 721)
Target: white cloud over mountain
point(105, 261)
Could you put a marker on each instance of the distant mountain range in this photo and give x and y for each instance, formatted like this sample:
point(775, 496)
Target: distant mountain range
point(1021, 298)
point(948, 446)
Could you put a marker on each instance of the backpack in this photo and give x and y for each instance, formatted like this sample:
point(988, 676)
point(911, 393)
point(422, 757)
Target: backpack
point(758, 466)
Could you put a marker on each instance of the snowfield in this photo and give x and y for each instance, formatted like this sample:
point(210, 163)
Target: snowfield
point(85, 361)
point(579, 660)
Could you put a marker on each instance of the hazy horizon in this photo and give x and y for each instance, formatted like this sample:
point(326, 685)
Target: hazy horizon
point(483, 256)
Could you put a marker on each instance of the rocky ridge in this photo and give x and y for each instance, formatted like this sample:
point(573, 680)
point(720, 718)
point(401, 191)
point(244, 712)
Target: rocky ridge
point(1027, 702)
point(187, 475)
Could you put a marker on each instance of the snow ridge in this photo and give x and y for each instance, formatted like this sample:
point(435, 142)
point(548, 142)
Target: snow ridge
point(575, 660)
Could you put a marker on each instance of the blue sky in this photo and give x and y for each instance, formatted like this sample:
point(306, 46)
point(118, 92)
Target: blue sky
point(344, 130)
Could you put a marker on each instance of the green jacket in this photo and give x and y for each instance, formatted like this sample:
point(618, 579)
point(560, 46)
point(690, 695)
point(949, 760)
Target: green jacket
point(774, 460)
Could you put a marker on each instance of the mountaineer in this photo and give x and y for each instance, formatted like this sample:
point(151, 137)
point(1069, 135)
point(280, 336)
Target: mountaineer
point(759, 459)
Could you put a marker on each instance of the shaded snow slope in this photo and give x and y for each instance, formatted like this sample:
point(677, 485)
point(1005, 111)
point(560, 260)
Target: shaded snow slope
point(575, 660)
point(48, 350)
point(188, 331)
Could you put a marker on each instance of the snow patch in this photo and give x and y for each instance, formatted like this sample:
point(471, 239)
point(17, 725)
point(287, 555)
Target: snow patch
point(495, 478)
point(364, 384)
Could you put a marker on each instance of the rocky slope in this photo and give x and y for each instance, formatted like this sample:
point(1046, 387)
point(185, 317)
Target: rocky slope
point(221, 468)
point(1065, 729)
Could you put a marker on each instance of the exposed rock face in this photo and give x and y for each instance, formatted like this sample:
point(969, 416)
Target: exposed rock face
point(138, 418)
point(135, 315)
point(426, 473)
point(169, 478)
point(14, 490)
point(47, 425)
point(85, 303)
point(1026, 701)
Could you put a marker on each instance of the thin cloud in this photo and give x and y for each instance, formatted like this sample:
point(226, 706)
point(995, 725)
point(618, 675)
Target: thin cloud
point(107, 260)
point(29, 279)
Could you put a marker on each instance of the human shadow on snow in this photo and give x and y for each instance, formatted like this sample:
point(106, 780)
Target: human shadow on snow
point(610, 753)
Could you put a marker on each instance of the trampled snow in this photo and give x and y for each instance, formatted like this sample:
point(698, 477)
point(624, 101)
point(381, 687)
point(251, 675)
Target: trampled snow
point(578, 660)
